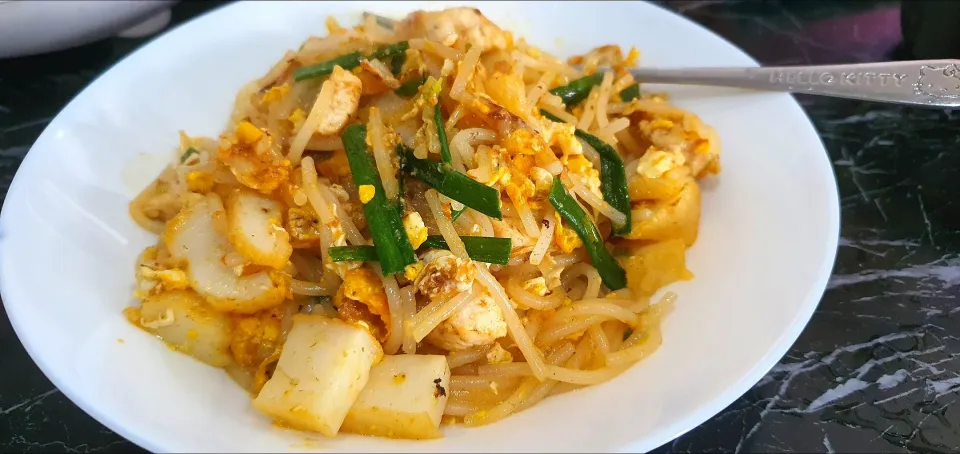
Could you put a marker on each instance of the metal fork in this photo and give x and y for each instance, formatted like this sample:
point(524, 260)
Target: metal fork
point(929, 83)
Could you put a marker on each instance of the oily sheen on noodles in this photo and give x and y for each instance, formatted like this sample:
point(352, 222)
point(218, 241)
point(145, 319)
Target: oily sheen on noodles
point(414, 223)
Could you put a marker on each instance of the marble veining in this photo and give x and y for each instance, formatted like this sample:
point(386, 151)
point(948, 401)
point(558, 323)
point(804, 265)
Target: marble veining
point(878, 367)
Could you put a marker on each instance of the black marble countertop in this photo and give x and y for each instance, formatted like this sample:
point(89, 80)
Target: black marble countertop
point(876, 370)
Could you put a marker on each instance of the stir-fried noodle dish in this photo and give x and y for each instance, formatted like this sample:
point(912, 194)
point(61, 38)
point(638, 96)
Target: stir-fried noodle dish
point(422, 222)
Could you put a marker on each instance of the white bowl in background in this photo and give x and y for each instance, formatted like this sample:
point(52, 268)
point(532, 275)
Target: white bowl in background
point(34, 27)
point(67, 245)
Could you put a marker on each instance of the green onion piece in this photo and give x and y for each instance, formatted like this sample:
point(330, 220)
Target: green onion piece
point(349, 61)
point(349, 253)
point(396, 65)
point(389, 51)
point(627, 334)
point(445, 155)
point(186, 154)
point(383, 216)
point(441, 135)
point(577, 90)
point(454, 184)
point(613, 179)
point(480, 248)
point(410, 87)
point(630, 93)
point(613, 176)
point(610, 271)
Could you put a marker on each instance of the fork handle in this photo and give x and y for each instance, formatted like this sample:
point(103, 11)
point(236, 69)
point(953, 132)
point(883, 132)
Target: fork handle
point(929, 83)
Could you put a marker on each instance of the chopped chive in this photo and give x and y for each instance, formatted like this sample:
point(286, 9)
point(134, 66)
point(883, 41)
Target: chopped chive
point(410, 87)
point(396, 65)
point(454, 185)
point(362, 253)
point(627, 334)
point(186, 154)
point(610, 271)
point(389, 51)
point(630, 93)
point(613, 176)
point(577, 90)
point(480, 248)
point(441, 135)
point(382, 215)
point(348, 61)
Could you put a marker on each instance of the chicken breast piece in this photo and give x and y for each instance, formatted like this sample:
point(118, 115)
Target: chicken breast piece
point(480, 322)
point(444, 275)
point(463, 23)
point(346, 97)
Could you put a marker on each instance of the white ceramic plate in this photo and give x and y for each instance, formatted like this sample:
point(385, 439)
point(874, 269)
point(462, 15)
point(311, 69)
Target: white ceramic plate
point(767, 243)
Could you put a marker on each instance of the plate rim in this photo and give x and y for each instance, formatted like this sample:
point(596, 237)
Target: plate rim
point(671, 431)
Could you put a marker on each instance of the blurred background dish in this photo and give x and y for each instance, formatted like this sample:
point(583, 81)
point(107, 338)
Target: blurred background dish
point(35, 27)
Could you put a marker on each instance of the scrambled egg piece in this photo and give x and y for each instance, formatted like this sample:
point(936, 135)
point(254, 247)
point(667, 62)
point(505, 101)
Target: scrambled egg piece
point(683, 134)
point(542, 181)
point(296, 118)
point(480, 322)
point(254, 158)
point(526, 148)
point(583, 169)
point(498, 355)
point(255, 337)
point(346, 97)
point(201, 182)
point(537, 286)
point(518, 187)
point(361, 299)
point(413, 270)
point(462, 23)
point(508, 90)
point(415, 228)
point(275, 93)
point(247, 133)
point(366, 192)
point(172, 279)
point(655, 163)
point(524, 141)
point(660, 175)
point(565, 237)
point(445, 275)
point(156, 274)
point(498, 168)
